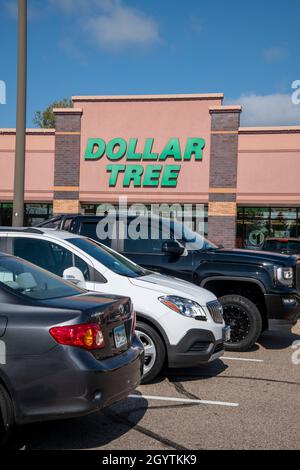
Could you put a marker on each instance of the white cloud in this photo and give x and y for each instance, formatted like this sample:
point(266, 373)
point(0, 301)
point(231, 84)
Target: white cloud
point(275, 54)
point(267, 110)
point(109, 24)
point(121, 27)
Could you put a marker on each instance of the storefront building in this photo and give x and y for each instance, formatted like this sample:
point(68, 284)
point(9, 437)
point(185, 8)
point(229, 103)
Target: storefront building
point(177, 150)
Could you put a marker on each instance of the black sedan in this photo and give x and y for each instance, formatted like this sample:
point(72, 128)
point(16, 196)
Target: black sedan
point(64, 352)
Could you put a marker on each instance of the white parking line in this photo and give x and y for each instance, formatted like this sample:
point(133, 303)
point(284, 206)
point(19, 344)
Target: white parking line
point(185, 400)
point(242, 359)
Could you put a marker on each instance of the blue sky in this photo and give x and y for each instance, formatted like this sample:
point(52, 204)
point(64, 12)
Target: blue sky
point(247, 49)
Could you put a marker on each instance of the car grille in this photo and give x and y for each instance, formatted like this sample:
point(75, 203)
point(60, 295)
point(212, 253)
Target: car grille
point(216, 311)
point(219, 347)
point(199, 346)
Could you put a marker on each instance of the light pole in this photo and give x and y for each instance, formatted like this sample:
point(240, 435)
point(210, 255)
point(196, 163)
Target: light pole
point(19, 177)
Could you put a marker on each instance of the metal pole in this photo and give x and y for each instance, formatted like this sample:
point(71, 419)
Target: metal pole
point(19, 177)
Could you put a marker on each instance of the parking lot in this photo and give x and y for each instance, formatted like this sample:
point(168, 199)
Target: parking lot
point(245, 401)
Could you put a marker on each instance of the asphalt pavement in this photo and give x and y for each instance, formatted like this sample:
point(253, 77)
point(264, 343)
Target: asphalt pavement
point(244, 401)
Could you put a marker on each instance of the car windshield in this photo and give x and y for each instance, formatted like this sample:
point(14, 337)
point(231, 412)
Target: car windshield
point(28, 280)
point(109, 258)
point(282, 245)
point(191, 240)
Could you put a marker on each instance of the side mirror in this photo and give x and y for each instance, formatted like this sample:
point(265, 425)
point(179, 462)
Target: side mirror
point(173, 247)
point(74, 275)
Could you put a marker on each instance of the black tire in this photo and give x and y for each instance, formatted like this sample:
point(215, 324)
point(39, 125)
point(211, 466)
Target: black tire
point(7, 420)
point(245, 321)
point(146, 334)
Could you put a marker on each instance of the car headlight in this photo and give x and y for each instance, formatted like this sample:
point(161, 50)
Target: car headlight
point(185, 307)
point(285, 276)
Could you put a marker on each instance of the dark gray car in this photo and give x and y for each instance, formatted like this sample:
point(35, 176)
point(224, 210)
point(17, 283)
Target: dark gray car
point(64, 352)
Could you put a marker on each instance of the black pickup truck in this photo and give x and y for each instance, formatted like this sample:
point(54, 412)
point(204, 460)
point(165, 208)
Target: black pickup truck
point(253, 286)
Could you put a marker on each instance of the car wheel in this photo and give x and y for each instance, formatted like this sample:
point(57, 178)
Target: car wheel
point(6, 417)
point(245, 322)
point(155, 352)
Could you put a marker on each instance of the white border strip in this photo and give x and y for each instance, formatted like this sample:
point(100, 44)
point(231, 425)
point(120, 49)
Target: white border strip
point(185, 400)
point(242, 359)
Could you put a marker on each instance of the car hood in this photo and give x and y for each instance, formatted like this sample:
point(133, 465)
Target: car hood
point(250, 257)
point(168, 285)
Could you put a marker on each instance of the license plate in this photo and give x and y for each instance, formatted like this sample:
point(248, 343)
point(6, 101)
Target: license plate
point(226, 333)
point(120, 336)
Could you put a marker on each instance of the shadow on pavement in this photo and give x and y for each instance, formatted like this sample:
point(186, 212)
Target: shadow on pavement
point(88, 432)
point(204, 371)
point(273, 339)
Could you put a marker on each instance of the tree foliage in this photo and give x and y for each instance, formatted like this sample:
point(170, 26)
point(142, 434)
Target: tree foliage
point(46, 119)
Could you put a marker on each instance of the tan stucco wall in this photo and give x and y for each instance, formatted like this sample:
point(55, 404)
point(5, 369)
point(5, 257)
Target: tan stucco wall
point(269, 166)
point(161, 119)
point(268, 159)
point(39, 165)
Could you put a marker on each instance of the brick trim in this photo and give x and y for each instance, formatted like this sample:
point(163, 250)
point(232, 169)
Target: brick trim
point(223, 190)
point(67, 160)
point(62, 206)
point(65, 188)
point(67, 133)
point(223, 132)
point(221, 208)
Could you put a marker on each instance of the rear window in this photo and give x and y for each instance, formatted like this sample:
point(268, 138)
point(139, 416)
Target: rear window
point(89, 229)
point(25, 279)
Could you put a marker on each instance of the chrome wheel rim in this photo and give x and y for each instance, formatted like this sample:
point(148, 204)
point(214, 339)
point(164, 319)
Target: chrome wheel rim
point(150, 350)
point(239, 322)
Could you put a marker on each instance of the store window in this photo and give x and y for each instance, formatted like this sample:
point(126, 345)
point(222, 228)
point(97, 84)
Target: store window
point(6, 214)
point(254, 224)
point(34, 213)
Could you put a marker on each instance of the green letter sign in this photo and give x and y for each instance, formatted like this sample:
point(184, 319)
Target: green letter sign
point(149, 176)
point(95, 149)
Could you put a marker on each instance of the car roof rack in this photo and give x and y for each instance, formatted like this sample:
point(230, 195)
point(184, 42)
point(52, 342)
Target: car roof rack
point(22, 230)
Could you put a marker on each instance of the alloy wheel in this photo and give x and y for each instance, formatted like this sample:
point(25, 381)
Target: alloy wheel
point(150, 350)
point(239, 322)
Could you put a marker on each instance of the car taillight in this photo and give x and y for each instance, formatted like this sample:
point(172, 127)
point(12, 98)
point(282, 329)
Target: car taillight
point(87, 336)
point(133, 323)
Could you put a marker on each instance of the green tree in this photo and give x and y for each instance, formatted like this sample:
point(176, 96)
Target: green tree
point(46, 119)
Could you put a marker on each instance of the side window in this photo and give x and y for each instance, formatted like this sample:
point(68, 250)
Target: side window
point(35, 251)
point(151, 243)
point(67, 224)
point(49, 256)
point(3, 244)
point(84, 267)
point(63, 258)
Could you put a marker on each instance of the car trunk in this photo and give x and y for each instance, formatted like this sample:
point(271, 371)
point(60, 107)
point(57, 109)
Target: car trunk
point(113, 314)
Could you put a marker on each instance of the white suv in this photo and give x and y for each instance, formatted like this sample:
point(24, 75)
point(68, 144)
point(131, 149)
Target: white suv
point(180, 325)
